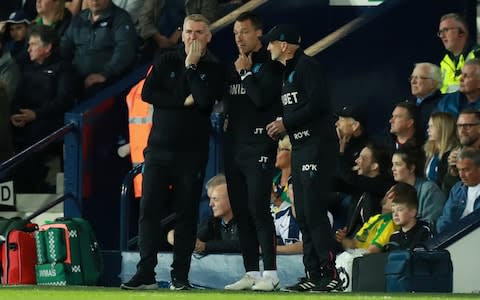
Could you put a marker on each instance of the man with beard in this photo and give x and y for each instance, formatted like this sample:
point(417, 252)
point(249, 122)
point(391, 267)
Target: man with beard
point(252, 101)
point(468, 130)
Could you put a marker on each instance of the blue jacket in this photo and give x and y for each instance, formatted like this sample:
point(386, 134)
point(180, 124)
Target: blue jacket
point(455, 102)
point(431, 200)
point(456, 203)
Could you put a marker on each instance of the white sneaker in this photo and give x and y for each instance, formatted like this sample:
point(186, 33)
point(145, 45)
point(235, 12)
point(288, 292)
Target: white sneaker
point(246, 283)
point(266, 284)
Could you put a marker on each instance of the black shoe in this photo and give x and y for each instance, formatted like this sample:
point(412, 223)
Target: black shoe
point(326, 284)
point(180, 285)
point(139, 282)
point(303, 285)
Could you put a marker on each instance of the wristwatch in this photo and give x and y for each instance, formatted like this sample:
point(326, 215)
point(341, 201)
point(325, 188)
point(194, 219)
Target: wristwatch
point(243, 72)
point(191, 67)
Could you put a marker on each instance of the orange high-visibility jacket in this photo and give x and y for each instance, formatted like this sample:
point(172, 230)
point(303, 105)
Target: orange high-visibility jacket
point(139, 126)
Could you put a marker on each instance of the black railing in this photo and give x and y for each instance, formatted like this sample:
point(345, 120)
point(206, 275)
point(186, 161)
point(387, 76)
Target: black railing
point(37, 147)
point(455, 231)
point(125, 196)
point(49, 205)
point(126, 242)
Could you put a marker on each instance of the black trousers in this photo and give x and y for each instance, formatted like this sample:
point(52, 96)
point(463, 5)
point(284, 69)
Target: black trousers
point(312, 168)
point(249, 172)
point(169, 184)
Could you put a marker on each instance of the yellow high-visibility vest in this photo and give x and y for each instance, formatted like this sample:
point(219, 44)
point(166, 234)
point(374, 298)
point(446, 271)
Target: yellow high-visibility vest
point(452, 72)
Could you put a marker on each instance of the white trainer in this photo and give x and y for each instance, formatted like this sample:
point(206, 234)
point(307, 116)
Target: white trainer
point(245, 283)
point(266, 284)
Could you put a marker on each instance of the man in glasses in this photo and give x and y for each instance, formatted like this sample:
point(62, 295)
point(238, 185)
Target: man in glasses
point(453, 32)
point(425, 84)
point(468, 131)
point(469, 93)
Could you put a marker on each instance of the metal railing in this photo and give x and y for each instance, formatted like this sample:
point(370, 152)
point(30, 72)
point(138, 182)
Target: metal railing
point(125, 200)
point(7, 165)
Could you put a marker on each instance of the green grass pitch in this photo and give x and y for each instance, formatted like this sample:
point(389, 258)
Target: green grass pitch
point(97, 293)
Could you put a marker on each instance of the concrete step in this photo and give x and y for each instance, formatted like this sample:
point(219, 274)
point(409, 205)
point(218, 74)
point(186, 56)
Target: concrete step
point(32, 202)
point(26, 204)
point(213, 270)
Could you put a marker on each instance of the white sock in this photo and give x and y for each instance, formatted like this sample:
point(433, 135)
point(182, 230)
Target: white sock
point(270, 273)
point(254, 274)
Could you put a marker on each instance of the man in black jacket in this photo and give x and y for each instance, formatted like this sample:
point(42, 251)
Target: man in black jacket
point(425, 83)
point(182, 87)
point(252, 101)
point(367, 186)
point(308, 119)
point(218, 234)
point(6, 150)
point(47, 90)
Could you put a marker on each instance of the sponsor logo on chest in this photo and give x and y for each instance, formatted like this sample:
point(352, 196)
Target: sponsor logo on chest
point(237, 89)
point(289, 98)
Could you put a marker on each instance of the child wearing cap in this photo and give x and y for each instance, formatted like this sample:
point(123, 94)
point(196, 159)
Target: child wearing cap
point(16, 29)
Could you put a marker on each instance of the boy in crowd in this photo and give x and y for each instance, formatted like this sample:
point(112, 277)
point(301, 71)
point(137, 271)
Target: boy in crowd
point(375, 233)
point(371, 238)
point(412, 232)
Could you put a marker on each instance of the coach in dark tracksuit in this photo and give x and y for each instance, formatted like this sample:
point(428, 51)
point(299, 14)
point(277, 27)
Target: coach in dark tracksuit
point(253, 100)
point(182, 89)
point(308, 119)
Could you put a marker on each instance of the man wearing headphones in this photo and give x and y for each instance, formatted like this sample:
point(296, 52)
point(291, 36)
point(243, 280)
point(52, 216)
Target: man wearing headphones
point(453, 32)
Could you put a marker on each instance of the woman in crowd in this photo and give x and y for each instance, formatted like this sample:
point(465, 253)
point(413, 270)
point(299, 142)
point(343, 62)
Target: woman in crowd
point(408, 166)
point(442, 138)
point(53, 13)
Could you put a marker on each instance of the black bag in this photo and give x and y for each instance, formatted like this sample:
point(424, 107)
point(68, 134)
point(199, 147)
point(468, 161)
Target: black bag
point(6, 225)
point(368, 273)
point(419, 270)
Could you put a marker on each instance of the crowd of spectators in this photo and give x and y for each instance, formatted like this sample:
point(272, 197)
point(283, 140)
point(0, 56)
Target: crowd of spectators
point(97, 42)
point(54, 53)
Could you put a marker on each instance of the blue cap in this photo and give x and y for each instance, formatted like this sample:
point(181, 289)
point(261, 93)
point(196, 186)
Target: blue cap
point(17, 17)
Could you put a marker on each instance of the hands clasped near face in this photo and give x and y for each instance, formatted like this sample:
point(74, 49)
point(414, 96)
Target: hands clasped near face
point(23, 118)
point(193, 57)
point(243, 62)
